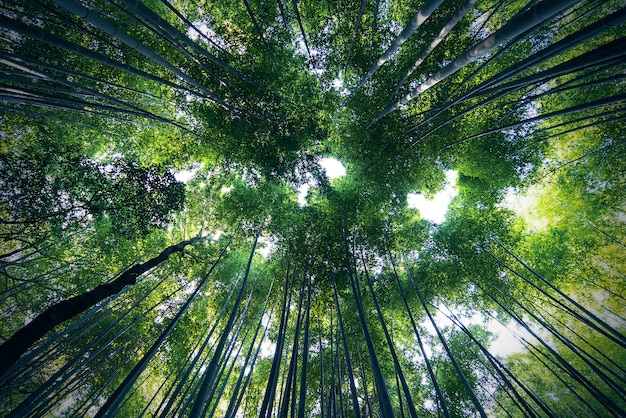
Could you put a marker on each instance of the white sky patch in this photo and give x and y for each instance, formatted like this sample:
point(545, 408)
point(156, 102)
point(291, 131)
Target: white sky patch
point(435, 210)
point(505, 344)
point(202, 27)
point(333, 167)
point(268, 348)
point(526, 206)
point(337, 85)
point(266, 246)
point(303, 191)
point(301, 47)
point(216, 235)
point(185, 175)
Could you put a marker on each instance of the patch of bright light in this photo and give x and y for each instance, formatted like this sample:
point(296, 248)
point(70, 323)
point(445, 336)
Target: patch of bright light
point(266, 246)
point(506, 342)
point(303, 191)
point(268, 349)
point(333, 167)
point(193, 34)
point(337, 85)
point(435, 209)
point(185, 175)
point(526, 206)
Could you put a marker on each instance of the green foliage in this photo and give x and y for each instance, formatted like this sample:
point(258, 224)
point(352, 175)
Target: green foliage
point(94, 126)
point(48, 188)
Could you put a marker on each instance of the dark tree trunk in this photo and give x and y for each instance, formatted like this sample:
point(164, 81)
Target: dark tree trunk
point(199, 406)
point(60, 312)
point(112, 404)
point(268, 397)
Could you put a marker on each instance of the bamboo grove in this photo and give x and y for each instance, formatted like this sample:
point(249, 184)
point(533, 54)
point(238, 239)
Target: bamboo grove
point(127, 290)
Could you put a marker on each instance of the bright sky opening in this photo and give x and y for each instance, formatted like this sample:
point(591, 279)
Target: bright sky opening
point(303, 191)
point(185, 175)
point(505, 343)
point(333, 169)
point(526, 205)
point(435, 209)
point(266, 246)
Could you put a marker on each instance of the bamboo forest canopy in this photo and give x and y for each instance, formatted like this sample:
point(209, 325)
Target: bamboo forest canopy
point(172, 244)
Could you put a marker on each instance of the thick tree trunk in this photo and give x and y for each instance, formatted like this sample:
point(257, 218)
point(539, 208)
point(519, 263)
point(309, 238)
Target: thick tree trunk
point(23, 339)
point(420, 17)
point(523, 21)
point(112, 404)
point(456, 18)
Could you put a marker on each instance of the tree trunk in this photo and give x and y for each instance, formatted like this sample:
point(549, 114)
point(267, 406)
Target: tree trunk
point(456, 18)
point(386, 408)
point(184, 376)
point(111, 405)
point(392, 350)
point(455, 364)
point(40, 35)
point(211, 370)
point(571, 41)
point(12, 349)
point(523, 21)
point(346, 353)
point(305, 350)
point(420, 17)
point(294, 3)
point(92, 16)
point(357, 25)
point(577, 108)
point(270, 392)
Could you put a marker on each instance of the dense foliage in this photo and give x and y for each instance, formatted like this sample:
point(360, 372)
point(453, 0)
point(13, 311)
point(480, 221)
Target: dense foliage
point(158, 256)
